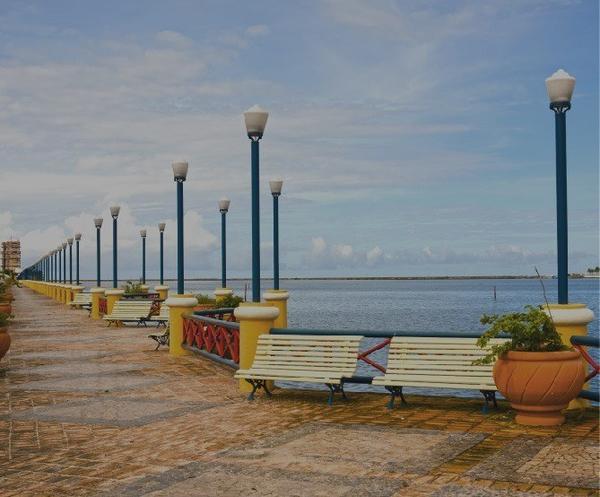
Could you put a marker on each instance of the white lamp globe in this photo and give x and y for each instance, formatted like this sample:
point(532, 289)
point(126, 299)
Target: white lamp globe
point(70, 241)
point(161, 227)
point(77, 236)
point(143, 233)
point(224, 204)
point(114, 211)
point(255, 119)
point(560, 87)
point(180, 170)
point(98, 222)
point(276, 185)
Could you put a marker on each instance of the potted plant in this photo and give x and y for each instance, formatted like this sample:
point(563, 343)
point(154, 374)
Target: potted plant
point(204, 302)
point(4, 336)
point(533, 369)
point(5, 299)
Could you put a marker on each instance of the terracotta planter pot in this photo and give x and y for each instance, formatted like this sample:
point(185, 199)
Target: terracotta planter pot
point(7, 297)
point(204, 307)
point(539, 385)
point(4, 342)
point(5, 307)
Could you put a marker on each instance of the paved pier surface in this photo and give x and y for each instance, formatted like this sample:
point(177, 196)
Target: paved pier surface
point(91, 410)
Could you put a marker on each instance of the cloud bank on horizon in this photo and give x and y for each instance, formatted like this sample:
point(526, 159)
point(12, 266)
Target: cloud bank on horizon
point(414, 138)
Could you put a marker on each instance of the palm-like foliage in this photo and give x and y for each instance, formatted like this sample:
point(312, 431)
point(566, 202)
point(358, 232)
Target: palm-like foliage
point(529, 331)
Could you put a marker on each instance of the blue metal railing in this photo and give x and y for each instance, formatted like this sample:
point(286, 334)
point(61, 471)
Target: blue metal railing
point(580, 342)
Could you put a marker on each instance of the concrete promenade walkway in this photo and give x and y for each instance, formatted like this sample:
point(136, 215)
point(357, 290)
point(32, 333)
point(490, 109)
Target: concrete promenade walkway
point(90, 410)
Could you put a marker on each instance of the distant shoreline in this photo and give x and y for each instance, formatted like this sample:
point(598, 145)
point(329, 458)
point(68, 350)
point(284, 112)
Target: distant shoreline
point(362, 278)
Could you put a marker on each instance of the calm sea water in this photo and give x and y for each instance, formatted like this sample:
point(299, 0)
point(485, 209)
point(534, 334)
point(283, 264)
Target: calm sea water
point(415, 305)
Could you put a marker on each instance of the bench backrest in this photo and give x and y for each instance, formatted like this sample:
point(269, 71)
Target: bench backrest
point(439, 361)
point(307, 353)
point(82, 298)
point(131, 308)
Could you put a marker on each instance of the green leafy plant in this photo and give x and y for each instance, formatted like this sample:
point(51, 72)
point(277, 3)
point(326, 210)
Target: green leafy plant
point(529, 331)
point(204, 299)
point(230, 301)
point(131, 288)
point(4, 319)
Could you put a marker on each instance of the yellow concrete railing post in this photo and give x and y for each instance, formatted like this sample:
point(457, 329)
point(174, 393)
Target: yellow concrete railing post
point(68, 294)
point(112, 296)
point(97, 294)
point(75, 289)
point(570, 320)
point(222, 293)
point(278, 298)
point(163, 291)
point(178, 306)
point(255, 319)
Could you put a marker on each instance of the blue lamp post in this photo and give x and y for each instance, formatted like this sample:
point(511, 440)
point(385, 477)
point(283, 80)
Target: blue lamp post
point(70, 242)
point(64, 253)
point(255, 119)
point(560, 90)
point(180, 170)
point(223, 209)
point(161, 230)
point(275, 186)
point(114, 213)
point(143, 235)
point(98, 224)
point(77, 239)
point(55, 266)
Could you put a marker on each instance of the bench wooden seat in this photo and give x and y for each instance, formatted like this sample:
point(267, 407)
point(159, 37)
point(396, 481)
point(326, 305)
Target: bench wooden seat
point(325, 359)
point(432, 362)
point(129, 311)
point(81, 299)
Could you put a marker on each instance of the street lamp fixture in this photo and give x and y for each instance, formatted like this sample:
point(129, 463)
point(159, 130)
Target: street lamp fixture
point(223, 209)
point(276, 185)
point(143, 235)
point(114, 212)
point(161, 230)
point(255, 119)
point(70, 242)
point(77, 240)
point(64, 253)
point(180, 170)
point(560, 88)
point(98, 224)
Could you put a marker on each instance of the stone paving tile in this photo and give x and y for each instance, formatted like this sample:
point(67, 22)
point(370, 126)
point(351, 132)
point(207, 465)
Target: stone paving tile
point(97, 383)
point(111, 411)
point(310, 448)
point(61, 355)
point(77, 368)
point(542, 460)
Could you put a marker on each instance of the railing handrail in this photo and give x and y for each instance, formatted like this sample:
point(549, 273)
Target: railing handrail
point(218, 310)
point(232, 325)
point(379, 333)
point(586, 341)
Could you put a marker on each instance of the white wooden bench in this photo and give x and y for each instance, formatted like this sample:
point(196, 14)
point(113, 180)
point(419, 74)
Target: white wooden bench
point(129, 311)
point(431, 362)
point(81, 299)
point(306, 358)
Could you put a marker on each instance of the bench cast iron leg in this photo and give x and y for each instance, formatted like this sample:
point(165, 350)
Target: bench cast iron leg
point(395, 391)
point(256, 384)
point(488, 395)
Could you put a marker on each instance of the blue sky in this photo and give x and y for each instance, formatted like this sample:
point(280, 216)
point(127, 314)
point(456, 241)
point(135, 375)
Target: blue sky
point(414, 137)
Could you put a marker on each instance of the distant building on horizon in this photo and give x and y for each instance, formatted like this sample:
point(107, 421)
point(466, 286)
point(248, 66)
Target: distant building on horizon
point(11, 256)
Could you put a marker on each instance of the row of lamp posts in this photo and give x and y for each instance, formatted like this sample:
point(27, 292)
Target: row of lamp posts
point(569, 318)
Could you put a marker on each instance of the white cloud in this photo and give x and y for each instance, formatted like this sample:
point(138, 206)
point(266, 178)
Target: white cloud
point(258, 30)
